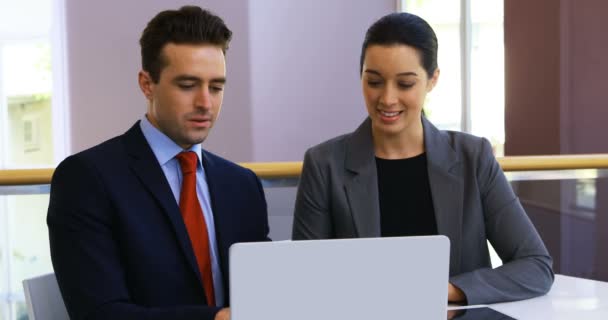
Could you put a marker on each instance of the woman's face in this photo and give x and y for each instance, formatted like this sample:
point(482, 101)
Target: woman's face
point(394, 87)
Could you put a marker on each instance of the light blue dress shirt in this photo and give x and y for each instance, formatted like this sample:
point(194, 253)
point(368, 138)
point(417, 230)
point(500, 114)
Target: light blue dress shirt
point(165, 151)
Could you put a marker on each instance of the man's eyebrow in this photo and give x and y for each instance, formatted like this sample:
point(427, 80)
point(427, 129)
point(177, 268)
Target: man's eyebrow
point(218, 80)
point(186, 78)
point(197, 79)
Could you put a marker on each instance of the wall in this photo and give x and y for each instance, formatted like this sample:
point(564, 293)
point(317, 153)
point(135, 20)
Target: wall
point(292, 72)
point(532, 77)
point(555, 66)
point(305, 62)
point(585, 108)
point(104, 59)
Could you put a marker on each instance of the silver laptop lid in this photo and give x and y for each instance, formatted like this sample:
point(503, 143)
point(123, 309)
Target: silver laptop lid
point(371, 278)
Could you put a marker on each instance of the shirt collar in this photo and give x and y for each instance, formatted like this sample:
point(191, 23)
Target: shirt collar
point(162, 146)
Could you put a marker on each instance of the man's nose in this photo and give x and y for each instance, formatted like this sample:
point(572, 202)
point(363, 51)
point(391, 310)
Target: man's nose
point(203, 98)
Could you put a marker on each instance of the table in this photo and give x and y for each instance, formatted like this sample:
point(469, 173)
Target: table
point(569, 298)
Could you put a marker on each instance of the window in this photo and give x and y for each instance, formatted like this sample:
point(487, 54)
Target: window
point(32, 131)
point(470, 93)
point(27, 104)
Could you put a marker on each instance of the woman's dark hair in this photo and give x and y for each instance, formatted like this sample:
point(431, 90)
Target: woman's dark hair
point(403, 28)
point(188, 25)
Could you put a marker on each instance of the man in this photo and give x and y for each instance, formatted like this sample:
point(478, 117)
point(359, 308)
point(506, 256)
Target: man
point(140, 225)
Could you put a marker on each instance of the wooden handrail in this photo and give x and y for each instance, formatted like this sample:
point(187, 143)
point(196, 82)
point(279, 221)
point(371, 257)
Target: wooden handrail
point(25, 177)
point(557, 162)
point(278, 170)
point(275, 170)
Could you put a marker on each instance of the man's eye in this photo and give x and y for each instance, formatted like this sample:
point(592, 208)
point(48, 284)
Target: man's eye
point(216, 89)
point(186, 86)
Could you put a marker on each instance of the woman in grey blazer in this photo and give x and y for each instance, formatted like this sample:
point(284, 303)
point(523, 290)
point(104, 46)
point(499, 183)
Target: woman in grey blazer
point(398, 175)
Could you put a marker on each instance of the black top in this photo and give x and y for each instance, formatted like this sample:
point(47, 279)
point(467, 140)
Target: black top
point(406, 204)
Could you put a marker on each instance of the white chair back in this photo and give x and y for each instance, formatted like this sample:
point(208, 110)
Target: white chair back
point(44, 301)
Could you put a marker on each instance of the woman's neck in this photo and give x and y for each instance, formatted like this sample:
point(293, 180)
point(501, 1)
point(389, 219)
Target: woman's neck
point(406, 144)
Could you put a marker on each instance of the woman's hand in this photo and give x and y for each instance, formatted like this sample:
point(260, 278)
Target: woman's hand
point(455, 294)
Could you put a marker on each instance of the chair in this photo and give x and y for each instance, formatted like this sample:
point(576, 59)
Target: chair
point(44, 301)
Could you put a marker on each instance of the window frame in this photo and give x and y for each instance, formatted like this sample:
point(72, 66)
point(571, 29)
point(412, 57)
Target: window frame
point(466, 35)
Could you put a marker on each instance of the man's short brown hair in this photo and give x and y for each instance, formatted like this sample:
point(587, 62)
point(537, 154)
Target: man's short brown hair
point(188, 25)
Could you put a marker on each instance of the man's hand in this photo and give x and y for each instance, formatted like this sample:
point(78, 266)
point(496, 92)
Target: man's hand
point(223, 314)
point(455, 294)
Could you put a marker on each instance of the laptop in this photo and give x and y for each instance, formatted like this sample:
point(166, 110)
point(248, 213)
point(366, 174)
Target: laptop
point(370, 278)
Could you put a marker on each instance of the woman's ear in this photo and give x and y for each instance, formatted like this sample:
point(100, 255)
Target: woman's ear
point(433, 80)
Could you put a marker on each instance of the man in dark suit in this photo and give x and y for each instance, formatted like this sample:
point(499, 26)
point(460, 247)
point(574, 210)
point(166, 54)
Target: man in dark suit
point(140, 225)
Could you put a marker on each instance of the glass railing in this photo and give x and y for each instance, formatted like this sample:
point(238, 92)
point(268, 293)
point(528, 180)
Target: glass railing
point(570, 210)
point(565, 196)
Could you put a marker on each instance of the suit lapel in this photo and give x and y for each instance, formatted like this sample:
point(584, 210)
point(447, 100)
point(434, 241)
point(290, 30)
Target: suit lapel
point(217, 188)
point(361, 182)
point(146, 168)
point(224, 217)
point(447, 187)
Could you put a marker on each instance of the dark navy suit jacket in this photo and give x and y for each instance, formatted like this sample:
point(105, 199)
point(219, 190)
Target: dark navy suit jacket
point(119, 247)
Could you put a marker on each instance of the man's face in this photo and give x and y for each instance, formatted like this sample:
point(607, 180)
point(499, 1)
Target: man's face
point(187, 99)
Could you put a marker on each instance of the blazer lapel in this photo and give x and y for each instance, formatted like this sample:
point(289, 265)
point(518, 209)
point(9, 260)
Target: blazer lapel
point(224, 216)
point(218, 187)
point(361, 182)
point(146, 168)
point(447, 187)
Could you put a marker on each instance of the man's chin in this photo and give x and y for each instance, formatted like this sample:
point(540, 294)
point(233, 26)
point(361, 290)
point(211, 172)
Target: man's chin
point(188, 142)
point(197, 139)
point(196, 135)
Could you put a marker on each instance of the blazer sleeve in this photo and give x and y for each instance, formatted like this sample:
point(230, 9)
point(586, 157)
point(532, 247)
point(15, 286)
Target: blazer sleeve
point(527, 269)
point(86, 256)
point(263, 207)
point(311, 218)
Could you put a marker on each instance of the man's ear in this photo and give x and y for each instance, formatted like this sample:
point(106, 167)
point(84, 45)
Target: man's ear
point(146, 84)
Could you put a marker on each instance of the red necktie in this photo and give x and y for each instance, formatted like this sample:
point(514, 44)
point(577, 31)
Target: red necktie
point(192, 213)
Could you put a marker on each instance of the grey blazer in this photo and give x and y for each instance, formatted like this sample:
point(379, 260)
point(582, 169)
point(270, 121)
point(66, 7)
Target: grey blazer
point(338, 198)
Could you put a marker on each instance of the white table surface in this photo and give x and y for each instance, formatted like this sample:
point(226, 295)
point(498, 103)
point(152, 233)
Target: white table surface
point(569, 298)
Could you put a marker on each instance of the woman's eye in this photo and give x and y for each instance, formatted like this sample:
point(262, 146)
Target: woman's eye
point(406, 85)
point(374, 84)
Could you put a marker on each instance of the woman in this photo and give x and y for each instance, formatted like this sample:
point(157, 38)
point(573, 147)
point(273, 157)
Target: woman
point(398, 175)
